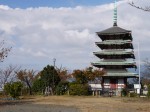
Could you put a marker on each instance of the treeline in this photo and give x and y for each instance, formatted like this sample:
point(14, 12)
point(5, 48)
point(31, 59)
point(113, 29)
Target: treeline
point(49, 81)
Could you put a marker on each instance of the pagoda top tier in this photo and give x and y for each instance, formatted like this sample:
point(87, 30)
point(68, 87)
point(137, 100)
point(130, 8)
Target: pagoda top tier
point(115, 30)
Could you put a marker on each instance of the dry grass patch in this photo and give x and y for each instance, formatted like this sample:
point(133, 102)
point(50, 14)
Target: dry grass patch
point(91, 104)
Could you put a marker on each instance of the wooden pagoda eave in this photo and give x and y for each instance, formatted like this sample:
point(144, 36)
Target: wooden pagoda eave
point(124, 37)
point(102, 56)
point(115, 66)
point(114, 46)
point(104, 64)
point(115, 30)
point(120, 76)
point(115, 52)
point(111, 54)
point(119, 42)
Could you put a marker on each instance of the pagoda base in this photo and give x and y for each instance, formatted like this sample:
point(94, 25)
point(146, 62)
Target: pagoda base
point(114, 85)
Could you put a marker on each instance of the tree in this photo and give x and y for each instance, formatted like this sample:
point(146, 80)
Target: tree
point(8, 75)
point(78, 89)
point(136, 4)
point(148, 94)
point(38, 86)
point(80, 77)
point(62, 87)
point(13, 89)
point(27, 77)
point(146, 72)
point(93, 75)
point(3, 51)
point(63, 74)
point(50, 77)
point(80, 86)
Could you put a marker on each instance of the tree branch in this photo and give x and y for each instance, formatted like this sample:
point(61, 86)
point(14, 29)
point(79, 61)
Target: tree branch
point(147, 8)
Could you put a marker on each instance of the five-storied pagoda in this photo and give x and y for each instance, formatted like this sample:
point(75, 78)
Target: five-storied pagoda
point(116, 56)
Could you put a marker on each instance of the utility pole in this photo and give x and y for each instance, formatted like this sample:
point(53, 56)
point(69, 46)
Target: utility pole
point(139, 68)
point(54, 60)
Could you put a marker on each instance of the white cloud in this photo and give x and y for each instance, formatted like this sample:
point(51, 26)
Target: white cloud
point(38, 35)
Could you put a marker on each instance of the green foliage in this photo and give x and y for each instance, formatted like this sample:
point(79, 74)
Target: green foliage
point(48, 75)
point(78, 89)
point(124, 92)
point(80, 76)
point(13, 89)
point(148, 94)
point(80, 86)
point(38, 86)
point(83, 76)
point(62, 88)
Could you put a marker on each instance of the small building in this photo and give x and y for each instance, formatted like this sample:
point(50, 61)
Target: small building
point(115, 57)
point(1, 90)
point(96, 89)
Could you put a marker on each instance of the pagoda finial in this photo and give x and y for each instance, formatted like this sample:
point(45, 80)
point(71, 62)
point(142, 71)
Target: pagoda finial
point(115, 13)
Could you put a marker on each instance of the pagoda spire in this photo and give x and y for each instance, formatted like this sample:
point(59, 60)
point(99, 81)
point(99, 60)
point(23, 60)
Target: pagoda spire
point(115, 14)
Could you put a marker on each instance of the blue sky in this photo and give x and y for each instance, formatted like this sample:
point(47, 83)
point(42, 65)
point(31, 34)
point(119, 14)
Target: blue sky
point(52, 3)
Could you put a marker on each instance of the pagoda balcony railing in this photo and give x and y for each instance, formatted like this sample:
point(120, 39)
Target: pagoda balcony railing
point(114, 52)
point(114, 42)
point(117, 50)
point(116, 70)
point(115, 60)
point(113, 63)
point(125, 74)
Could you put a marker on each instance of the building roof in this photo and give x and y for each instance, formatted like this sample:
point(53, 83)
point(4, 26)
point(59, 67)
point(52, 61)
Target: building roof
point(104, 64)
point(113, 30)
point(114, 45)
point(119, 73)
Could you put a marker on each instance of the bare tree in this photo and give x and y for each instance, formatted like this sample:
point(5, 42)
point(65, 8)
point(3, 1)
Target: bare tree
point(3, 51)
point(8, 75)
point(137, 4)
point(146, 72)
point(27, 77)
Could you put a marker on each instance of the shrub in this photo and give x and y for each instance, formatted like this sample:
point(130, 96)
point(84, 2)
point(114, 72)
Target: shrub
point(13, 89)
point(62, 88)
point(78, 89)
point(148, 94)
point(124, 92)
point(38, 86)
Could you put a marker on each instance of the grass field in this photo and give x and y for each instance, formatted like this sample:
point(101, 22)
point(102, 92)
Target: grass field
point(76, 104)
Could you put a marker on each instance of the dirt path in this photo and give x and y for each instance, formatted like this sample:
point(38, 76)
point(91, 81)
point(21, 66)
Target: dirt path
point(83, 104)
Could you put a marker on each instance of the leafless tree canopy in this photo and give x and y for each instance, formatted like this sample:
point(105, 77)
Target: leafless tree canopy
point(8, 75)
point(3, 51)
point(137, 4)
point(146, 72)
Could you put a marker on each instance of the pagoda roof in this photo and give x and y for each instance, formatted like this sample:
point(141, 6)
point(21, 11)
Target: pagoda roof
point(116, 62)
point(113, 30)
point(119, 73)
point(115, 44)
